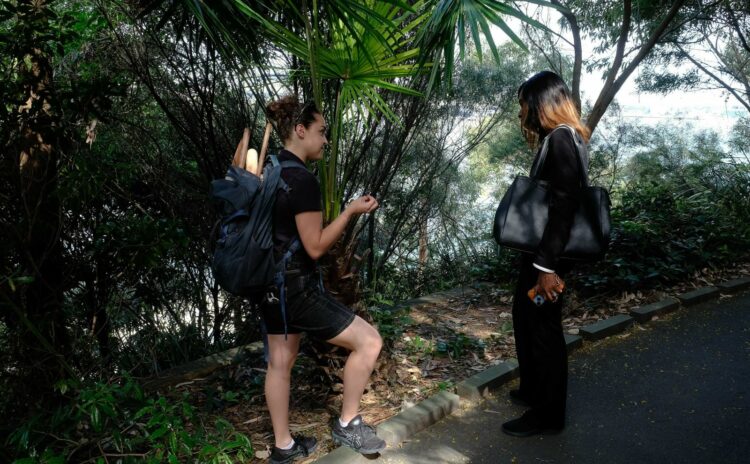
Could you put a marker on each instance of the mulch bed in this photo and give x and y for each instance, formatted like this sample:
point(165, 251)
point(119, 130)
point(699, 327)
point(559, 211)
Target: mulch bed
point(441, 344)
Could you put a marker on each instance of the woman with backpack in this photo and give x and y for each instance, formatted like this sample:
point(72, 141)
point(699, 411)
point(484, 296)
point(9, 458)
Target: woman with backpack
point(298, 214)
point(548, 115)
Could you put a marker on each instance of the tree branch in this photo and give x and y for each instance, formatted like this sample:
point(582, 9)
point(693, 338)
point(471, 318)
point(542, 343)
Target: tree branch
point(713, 76)
point(578, 53)
point(608, 92)
point(737, 28)
point(620, 50)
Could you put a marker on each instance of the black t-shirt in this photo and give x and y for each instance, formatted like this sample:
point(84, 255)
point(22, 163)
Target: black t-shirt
point(303, 196)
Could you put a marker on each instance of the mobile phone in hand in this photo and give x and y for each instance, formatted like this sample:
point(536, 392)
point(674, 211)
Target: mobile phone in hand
point(536, 298)
point(539, 300)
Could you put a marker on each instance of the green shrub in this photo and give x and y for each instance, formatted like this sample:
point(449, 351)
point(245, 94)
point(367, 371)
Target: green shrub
point(118, 420)
point(662, 234)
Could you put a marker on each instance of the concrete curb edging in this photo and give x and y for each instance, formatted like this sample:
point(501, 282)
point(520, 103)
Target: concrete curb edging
point(440, 297)
point(735, 285)
point(410, 421)
point(698, 295)
point(403, 425)
point(573, 342)
point(477, 386)
point(201, 367)
point(644, 313)
point(606, 327)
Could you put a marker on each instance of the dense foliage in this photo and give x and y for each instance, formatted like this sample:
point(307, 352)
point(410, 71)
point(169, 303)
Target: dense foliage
point(117, 420)
point(683, 205)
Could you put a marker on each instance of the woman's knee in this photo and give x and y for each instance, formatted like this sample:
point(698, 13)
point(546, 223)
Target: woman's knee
point(282, 352)
point(377, 342)
point(281, 361)
point(280, 365)
point(360, 337)
point(371, 343)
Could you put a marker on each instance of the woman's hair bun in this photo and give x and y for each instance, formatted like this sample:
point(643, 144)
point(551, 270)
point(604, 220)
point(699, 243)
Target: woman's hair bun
point(285, 108)
point(287, 112)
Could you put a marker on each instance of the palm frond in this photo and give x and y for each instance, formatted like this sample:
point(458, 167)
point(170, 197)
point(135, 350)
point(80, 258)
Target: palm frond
point(450, 21)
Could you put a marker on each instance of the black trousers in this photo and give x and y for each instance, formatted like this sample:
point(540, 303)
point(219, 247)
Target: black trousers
point(540, 347)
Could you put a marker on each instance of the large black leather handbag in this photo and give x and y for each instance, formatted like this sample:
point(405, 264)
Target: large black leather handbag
point(522, 214)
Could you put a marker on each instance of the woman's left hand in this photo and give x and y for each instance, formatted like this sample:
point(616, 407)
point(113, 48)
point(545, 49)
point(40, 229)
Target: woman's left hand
point(549, 285)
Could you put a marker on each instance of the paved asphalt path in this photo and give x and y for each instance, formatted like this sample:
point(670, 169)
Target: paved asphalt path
point(676, 392)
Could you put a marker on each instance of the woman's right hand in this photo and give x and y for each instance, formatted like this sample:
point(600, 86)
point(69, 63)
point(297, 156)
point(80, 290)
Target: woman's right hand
point(549, 285)
point(317, 240)
point(362, 205)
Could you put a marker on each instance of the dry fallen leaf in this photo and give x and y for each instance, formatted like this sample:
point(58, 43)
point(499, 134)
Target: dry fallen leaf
point(91, 132)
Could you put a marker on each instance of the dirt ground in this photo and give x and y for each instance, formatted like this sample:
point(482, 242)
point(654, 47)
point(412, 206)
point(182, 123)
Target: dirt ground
point(431, 347)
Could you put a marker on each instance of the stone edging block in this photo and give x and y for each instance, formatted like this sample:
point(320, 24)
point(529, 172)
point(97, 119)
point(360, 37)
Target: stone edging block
point(606, 327)
point(573, 342)
point(201, 367)
point(477, 385)
point(341, 455)
point(438, 298)
point(410, 421)
point(735, 285)
point(697, 296)
point(645, 313)
point(403, 425)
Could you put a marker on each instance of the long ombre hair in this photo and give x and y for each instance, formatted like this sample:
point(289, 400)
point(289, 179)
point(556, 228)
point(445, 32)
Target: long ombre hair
point(546, 103)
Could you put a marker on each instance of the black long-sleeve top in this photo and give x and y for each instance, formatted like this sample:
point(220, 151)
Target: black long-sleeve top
point(561, 169)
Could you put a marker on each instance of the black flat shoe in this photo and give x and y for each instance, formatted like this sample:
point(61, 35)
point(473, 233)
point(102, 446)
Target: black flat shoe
point(525, 426)
point(516, 397)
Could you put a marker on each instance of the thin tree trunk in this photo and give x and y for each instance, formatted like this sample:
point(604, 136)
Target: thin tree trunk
point(423, 243)
point(371, 247)
point(97, 316)
point(38, 155)
point(575, 29)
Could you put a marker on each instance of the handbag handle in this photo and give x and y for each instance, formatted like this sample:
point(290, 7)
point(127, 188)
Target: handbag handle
point(537, 167)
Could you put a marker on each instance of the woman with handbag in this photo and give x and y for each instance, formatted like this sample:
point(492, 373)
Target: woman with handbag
point(550, 121)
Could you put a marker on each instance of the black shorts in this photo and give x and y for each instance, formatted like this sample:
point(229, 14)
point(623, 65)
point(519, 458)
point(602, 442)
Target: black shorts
point(307, 310)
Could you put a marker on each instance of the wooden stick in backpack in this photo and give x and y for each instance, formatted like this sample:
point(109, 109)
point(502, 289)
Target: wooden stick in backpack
point(252, 161)
point(240, 154)
point(264, 148)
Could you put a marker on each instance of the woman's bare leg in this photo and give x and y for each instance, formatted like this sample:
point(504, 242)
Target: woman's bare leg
point(281, 356)
point(365, 343)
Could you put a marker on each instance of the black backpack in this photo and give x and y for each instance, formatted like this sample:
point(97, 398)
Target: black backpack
point(243, 258)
